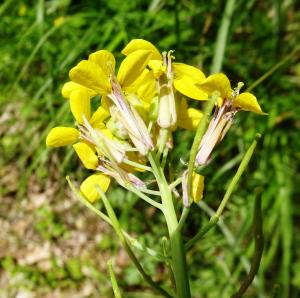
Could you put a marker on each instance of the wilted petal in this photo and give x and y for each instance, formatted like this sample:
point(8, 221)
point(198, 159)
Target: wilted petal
point(90, 75)
point(89, 186)
point(87, 155)
point(217, 82)
point(105, 60)
point(141, 44)
point(247, 102)
point(132, 67)
point(80, 105)
point(62, 136)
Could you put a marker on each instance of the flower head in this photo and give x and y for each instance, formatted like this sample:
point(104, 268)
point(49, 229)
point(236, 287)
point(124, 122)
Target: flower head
point(171, 78)
point(229, 103)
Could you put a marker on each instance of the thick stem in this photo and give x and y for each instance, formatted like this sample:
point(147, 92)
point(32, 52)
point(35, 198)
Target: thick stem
point(177, 248)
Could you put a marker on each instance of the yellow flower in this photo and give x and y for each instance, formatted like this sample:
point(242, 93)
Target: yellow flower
point(244, 101)
point(179, 76)
point(62, 136)
point(229, 103)
point(95, 73)
point(89, 186)
point(186, 77)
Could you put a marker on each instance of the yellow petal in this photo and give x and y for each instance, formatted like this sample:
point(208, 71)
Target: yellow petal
point(145, 86)
point(89, 186)
point(69, 87)
point(62, 136)
point(80, 105)
point(146, 92)
point(133, 66)
point(157, 67)
point(105, 102)
point(107, 132)
point(217, 82)
point(98, 117)
point(141, 44)
point(90, 75)
point(105, 60)
point(187, 87)
point(197, 187)
point(247, 102)
point(191, 120)
point(87, 155)
point(188, 118)
point(195, 74)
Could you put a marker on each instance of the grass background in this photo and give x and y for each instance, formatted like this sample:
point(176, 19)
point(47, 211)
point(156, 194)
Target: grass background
point(50, 246)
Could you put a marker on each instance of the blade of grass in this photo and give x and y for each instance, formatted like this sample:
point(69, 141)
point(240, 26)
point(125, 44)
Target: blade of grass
point(273, 69)
point(259, 246)
point(222, 37)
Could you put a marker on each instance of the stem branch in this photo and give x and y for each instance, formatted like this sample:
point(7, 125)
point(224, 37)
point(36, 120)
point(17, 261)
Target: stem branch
point(215, 218)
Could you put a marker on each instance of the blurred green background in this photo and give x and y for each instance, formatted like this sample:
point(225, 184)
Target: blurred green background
point(51, 246)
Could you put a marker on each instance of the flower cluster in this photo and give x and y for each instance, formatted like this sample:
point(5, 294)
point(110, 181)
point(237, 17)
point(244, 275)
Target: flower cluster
point(145, 99)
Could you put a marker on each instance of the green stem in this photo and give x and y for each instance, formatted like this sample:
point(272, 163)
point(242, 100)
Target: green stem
point(177, 248)
point(222, 37)
point(113, 279)
point(166, 249)
point(126, 246)
point(215, 218)
point(238, 175)
point(150, 192)
point(144, 197)
point(131, 240)
point(176, 182)
point(183, 217)
point(137, 165)
point(198, 137)
point(163, 138)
